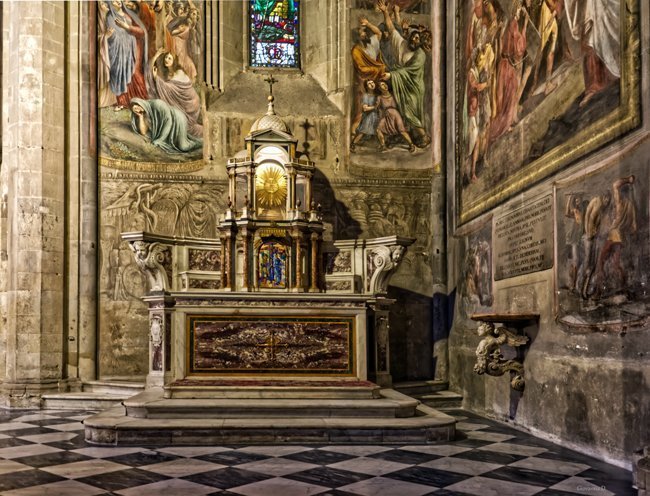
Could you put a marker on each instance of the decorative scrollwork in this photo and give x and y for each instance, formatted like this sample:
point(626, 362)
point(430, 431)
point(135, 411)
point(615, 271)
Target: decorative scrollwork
point(489, 359)
point(383, 261)
point(152, 258)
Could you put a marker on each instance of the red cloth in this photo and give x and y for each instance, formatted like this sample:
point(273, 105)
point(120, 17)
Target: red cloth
point(508, 79)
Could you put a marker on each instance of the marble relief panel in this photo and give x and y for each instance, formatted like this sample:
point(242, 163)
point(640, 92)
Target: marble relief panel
point(603, 249)
point(271, 344)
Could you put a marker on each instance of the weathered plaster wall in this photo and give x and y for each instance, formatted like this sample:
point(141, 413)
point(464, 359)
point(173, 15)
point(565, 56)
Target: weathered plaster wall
point(587, 365)
point(586, 388)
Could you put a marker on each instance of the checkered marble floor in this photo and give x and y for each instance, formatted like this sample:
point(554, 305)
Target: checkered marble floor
point(44, 453)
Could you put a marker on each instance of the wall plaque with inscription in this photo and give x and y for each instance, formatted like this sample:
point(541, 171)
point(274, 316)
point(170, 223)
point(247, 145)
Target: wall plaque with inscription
point(523, 240)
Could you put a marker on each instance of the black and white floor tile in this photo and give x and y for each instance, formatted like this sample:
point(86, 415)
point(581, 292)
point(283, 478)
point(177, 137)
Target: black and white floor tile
point(44, 453)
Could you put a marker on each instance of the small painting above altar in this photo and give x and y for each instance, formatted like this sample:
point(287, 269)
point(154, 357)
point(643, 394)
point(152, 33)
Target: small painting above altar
point(272, 265)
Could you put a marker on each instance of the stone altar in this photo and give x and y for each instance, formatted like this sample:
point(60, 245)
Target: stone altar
point(268, 321)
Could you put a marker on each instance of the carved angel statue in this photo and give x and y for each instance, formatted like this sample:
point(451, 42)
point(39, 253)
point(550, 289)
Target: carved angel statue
point(493, 338)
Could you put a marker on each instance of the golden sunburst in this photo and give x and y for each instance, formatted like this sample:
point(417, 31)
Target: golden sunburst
point(271, 186)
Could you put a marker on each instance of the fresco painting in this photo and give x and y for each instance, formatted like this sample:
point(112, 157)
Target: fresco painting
point(539, 84)
point(148, 74)
point(475, 282)
point(392, 91)
point(604, 250)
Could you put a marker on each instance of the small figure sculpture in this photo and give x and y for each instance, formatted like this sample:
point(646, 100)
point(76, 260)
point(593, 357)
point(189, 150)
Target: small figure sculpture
point(489, 359)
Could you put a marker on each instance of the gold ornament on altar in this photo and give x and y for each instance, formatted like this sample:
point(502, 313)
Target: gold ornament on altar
point(271, 186)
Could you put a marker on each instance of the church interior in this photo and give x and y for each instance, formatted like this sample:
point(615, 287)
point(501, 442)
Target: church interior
point(353, 247)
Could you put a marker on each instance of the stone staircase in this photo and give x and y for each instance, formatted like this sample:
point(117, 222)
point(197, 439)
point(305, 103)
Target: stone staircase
point(432, 393)
point(94, 395)
point(277, 412)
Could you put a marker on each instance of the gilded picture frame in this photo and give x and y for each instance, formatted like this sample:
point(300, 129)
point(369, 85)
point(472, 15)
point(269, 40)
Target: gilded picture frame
point(551, 125)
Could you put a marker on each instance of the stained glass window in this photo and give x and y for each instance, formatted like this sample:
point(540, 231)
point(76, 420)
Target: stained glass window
point(274, 33)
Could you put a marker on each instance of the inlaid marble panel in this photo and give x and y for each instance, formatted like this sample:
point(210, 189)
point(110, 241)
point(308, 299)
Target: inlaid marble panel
point(318, 345)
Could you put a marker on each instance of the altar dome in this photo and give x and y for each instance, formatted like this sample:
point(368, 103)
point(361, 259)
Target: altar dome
point(270, 120)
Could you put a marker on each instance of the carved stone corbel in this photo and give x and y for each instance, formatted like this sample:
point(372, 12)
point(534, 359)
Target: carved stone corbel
point(489, 359)
point(385, 260)
point(151, 258)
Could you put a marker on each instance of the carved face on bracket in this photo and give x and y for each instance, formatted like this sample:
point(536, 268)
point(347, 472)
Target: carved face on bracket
point(398, 253)
point(484, 329)
point(141, 249)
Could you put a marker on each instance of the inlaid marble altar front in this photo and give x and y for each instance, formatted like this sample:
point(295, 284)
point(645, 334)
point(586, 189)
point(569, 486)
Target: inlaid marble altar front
point(270, 345)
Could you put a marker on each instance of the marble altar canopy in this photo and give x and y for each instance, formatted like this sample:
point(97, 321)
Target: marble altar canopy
point(266, 333)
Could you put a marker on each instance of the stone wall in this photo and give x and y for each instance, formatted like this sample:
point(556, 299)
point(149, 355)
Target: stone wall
point(587, 364)
point(34, 201)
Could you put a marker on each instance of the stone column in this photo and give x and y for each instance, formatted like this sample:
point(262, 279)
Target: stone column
point(33, 183)
point(82, 188)
point(315, 277)
point(298, 265)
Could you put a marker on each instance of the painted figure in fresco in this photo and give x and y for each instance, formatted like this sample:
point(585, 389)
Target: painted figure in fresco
point(367, 61)
point(595, 23)
point(127, 49)
point(386, 46)
point(478, 273)
point(596, 210)
point(168, 81)
point(369, 117)
point(407, 78)
point(479, 110)
point(147, 15)
point(622, 227)
point(575, 210)
point(105, 95)
point(164, 126)
point(181, 29)
point(548, 31)
point(509, 73)
point(390, 120)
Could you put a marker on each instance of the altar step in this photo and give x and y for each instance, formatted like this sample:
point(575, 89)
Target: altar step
point(151, 419)
point(343, 389)
point(150, 405)
point(432, 393)
point(94, 395)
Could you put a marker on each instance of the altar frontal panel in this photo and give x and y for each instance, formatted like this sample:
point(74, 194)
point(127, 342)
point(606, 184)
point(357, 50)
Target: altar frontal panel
point(271, 345)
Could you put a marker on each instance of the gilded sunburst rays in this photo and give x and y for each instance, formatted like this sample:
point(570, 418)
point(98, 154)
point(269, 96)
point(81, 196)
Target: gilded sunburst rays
point(271, 186)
